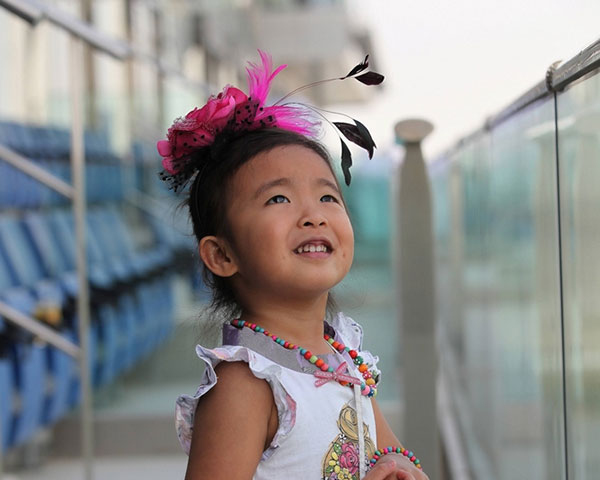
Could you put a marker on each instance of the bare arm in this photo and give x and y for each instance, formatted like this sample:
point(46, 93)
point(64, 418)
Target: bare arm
point(234, 422)
point(385, 438)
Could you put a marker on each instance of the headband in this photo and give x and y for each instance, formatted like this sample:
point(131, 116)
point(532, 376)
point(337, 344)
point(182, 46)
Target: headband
point(190, 138)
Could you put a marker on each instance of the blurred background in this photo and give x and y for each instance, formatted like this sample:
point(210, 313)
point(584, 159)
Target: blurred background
point(475, 271)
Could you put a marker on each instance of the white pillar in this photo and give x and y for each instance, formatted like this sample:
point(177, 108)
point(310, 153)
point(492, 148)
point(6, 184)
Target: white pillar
point(417, 298)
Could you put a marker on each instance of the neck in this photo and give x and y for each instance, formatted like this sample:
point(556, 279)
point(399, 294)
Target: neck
point(300, 323)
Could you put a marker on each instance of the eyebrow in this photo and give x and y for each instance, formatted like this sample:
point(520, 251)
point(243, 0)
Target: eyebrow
point(286, 181)
point(273, 183)
point(328, 183)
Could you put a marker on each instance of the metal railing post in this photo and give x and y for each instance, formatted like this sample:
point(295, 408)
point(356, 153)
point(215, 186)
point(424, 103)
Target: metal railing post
point(79, 208)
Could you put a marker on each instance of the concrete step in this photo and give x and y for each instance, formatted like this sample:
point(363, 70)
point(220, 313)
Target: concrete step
point(117, 435)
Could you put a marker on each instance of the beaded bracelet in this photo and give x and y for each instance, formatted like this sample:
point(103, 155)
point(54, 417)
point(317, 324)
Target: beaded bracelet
point(410, 455)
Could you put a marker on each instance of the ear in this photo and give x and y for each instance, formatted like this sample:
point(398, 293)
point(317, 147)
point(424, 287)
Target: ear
point(214, 252)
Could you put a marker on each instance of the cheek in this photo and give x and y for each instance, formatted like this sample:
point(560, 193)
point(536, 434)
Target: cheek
point(347, 236)
point(349, 231)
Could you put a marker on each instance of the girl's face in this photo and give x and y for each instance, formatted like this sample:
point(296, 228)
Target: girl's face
point(290, 232)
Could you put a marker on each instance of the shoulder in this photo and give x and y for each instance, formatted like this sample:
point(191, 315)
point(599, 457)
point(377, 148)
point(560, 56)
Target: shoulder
point(237, 382)
point(237, 376)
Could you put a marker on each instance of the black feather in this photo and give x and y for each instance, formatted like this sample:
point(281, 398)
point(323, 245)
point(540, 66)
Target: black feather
point(358, 68)
point(370, 78)
point(346, 162)
point(357, 134)
point(364, 133)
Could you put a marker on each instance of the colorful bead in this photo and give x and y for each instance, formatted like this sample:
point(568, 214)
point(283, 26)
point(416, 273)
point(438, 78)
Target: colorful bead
point(367, 389)
point(392, 449)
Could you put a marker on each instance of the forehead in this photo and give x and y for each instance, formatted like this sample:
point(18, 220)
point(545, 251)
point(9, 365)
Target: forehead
point(295, 162)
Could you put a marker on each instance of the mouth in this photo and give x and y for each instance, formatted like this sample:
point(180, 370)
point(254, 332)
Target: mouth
point(314, 246)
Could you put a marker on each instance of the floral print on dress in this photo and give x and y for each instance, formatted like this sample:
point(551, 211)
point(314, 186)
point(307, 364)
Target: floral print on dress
point(341, 462)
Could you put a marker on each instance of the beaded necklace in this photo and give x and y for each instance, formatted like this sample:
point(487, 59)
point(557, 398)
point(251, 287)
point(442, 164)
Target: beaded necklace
point(325, 373)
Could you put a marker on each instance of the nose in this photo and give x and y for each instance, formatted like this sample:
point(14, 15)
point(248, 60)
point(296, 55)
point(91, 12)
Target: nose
point(312, 216)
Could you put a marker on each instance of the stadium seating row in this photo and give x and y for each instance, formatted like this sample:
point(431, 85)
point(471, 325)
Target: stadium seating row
point(50, 149)
point(131, 260)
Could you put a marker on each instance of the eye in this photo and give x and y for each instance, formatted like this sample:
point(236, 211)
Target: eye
point(277, 199)
point(329, 198)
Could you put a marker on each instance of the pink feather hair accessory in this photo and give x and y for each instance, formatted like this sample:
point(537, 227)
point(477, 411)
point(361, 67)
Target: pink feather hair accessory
point(234, 111)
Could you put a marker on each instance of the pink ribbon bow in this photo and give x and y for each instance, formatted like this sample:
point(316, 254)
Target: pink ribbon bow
point(337, 375)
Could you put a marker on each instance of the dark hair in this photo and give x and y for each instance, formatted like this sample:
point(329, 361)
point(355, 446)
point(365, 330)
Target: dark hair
point(207, 200)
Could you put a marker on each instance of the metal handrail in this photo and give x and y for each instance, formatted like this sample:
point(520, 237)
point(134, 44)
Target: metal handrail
point(581, 64)
point(555, 79)
point(33, 12)
point(44, 332)
point(38, 173)
point(29, 12)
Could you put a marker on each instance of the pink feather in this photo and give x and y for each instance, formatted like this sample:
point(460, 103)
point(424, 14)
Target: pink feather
point(293, 118)
point(261, 76)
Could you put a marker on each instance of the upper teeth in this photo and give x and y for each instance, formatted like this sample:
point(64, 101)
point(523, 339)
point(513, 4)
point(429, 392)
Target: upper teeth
point(312, 248)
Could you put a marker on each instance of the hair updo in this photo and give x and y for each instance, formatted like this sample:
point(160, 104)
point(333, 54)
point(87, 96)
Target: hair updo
point(207, 200)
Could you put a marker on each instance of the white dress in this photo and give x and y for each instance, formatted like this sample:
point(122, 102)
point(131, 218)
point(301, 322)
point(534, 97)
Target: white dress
point(318, 435)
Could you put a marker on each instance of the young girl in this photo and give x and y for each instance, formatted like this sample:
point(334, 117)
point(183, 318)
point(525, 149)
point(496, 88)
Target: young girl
point(291, 393)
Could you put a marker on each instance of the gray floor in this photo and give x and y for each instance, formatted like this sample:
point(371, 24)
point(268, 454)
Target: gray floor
point(109, 468)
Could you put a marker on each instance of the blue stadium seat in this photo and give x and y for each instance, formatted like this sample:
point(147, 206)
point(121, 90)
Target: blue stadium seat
point(27, 270)
point(48, 253)
point(62, 369)
point(7, 381)
point(27, 363)
point(23, 264)
point(29, 366)
point(61, 225)
point(6, 399)
point(109, 334)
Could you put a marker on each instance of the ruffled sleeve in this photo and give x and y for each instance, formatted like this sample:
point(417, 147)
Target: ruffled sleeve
point(261, 367)
point(351, 333)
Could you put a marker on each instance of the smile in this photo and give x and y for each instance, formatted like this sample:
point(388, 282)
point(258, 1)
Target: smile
point(311, 247)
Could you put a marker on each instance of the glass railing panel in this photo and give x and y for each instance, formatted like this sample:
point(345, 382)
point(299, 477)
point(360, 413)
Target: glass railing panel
point(579, 153)
point(523, 307)
point(499, 298)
